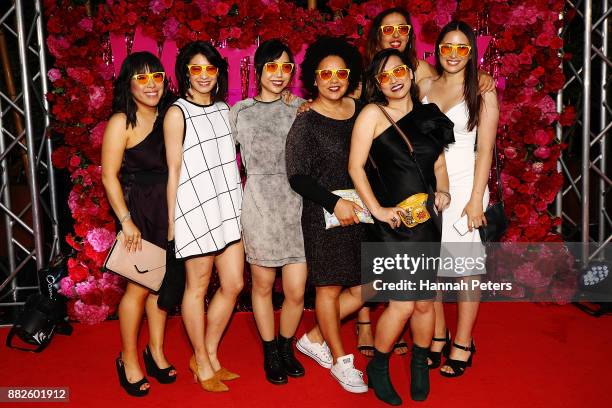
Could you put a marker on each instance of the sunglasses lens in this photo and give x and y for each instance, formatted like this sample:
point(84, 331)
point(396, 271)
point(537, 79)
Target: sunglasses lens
point(287, 68)
point(463, 50)
point(271, 67)
point(158, 77)
point(195, 69)
point(325, 74)
point(211, 70)
point(342, 74)
point(404, 29)
point(400, 72)
point(383, 78)
point(142, 79)
point(446, 49)
point(387, 29)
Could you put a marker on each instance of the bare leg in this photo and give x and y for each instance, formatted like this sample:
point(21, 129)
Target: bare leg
point(364, 331)
point(261, 298)
point(294, 284)
point(198, 271)
point(230, 266)
point(349, 302)
point(131, 309)
point(327, 310)
point(467, 312)
point(422, 323)
point(440, 328)
point(156, 319)
point(391, 323)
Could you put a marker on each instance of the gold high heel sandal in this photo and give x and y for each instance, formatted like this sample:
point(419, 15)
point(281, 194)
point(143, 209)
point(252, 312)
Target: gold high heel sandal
point(212, 384)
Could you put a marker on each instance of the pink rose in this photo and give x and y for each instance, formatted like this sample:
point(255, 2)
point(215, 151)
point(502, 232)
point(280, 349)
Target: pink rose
point(542, 152)
point(86, 24)
point(171, 26)
point(100, 239)
point(54, 74)
point(97, 95)
point(90, 314)
point(510, 152)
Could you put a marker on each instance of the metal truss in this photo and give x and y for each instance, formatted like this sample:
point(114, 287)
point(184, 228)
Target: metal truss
point(582, 202)
point(27, 192)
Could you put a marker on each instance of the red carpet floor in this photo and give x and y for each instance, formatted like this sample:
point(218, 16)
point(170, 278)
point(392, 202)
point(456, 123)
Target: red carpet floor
point(528, 356)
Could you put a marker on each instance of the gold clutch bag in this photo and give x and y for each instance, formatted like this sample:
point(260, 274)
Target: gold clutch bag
point(146, 267)
point(416, 207)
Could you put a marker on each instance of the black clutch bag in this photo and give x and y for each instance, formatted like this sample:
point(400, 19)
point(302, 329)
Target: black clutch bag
point(497, 222)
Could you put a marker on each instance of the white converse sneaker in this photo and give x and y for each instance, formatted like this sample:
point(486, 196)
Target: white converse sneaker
point(318, 352)
point(348, 376)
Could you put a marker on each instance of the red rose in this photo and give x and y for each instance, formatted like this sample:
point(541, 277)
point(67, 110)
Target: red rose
point(77, 271)
point(521, 211)
point(75, 161)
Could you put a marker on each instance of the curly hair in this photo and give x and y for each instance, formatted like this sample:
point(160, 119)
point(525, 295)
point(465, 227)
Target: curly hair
point(123, 101)
point(373, 92)
point(324, 47)
point(214, 58)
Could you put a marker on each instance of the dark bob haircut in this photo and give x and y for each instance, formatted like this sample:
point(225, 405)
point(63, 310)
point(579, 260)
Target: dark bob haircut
point(324, 47)
point(214, 58)
point(373, 92)
point(471, 94)
point(136, 63)
point(268, 51)
point(374, 34)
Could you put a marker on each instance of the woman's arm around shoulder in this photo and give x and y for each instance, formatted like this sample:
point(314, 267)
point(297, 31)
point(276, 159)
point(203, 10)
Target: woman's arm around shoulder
point(174, 130)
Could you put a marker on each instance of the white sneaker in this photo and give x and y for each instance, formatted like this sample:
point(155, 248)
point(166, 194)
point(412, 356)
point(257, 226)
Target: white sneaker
point(318, 352)
point(348, 376)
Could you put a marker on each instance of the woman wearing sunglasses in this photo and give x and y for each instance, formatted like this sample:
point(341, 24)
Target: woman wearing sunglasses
point(393, 29)
point(134, 173)
point(204, 201)
point(271, 210)
point(455, 91)
point(401, 177)
point(317, 154)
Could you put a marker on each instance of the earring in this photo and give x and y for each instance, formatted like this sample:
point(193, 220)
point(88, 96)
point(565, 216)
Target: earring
point(217, 89)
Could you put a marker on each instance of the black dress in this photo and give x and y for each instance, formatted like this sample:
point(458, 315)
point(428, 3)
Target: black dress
point(397, 178)
point(317, 153)
point(144, 175)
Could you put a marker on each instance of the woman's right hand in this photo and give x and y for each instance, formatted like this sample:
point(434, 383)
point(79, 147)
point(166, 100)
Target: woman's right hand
point(131, 236)
point(345, 211)
point(304, 107)
point(390, 215)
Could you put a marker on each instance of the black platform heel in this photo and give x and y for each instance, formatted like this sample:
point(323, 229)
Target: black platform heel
point(162, 375)
point(459, 366)
point(436, 356)
point(131, 388)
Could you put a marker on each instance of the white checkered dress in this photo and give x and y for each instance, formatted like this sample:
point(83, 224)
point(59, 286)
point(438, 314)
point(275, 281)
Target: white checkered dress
point(209, 196)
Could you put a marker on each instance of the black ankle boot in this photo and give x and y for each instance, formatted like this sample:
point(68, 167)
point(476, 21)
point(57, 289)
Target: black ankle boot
point(275, 373)
point(293, 368)
point(378, 378)
point(419, 373)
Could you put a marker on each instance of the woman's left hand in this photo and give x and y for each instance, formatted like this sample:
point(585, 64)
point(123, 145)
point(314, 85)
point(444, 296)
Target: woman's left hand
point(442, 200)
point(288, 97)
point(486, 83)
point(475, 214)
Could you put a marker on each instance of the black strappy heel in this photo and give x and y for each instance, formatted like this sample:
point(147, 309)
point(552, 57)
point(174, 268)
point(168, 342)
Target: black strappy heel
point(459, 366)
point(131, 388)
point(436, 356)
point(162, 375)
point(364, 347)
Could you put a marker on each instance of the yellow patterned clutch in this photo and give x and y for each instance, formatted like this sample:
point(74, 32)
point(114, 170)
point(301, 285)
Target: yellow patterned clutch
point(415, 206)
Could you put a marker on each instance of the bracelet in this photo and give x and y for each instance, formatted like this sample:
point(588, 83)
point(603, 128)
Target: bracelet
point(444, 192)
point(125, 218)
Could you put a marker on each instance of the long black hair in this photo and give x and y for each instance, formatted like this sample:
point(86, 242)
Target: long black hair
point(471, 93)
point(374, 34)
point(373, 93)
point(214, 58)
point(135, 63)
point(268, 51)
point(324, 47)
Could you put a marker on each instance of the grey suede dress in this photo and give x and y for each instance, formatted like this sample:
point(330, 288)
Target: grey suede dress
point(271, 210)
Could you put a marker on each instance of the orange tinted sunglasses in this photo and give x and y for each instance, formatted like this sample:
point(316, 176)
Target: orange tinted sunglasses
point(398, 72)
point(327, 74)
point(143, 79)
point(273, 67)
point(401, 29)
point(197, 69)
point(461, 50)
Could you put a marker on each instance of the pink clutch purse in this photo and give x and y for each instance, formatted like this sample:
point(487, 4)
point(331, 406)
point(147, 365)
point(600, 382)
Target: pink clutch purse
point(146, 267)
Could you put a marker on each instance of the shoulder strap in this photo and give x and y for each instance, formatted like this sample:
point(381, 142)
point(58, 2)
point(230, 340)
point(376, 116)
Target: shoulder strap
point(410, 148)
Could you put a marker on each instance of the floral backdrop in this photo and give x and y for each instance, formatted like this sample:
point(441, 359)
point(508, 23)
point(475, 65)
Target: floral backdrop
point(525, 54)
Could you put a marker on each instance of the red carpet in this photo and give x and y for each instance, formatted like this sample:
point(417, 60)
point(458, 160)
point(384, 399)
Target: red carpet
point(528, 356)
